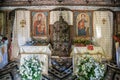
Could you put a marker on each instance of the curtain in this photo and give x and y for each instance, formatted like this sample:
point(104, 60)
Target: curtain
point(21, 34)
point(103, 30)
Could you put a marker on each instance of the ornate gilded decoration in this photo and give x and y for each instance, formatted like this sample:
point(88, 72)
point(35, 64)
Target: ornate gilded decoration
point(103, 20)
point(23, 23)
point(61, 38)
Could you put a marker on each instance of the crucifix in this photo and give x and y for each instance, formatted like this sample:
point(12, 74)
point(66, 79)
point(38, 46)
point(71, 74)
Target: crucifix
point(103, 20)
point(23, 23)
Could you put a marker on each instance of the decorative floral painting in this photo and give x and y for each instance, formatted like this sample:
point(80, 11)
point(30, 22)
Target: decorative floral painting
point(39, 24)
point(83, 23)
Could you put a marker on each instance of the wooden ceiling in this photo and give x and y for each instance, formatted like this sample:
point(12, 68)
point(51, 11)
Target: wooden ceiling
point(115, 3)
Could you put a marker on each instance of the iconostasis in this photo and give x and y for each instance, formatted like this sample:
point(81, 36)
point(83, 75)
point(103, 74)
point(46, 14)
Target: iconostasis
point(98, 26)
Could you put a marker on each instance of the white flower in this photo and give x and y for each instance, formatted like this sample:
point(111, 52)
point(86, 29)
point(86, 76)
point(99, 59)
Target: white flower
point(31, 68)
point(90, 69)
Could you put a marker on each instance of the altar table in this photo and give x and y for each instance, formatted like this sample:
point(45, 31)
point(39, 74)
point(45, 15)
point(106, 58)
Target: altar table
point(43, 52)
point(41, 57)
point(97, 53)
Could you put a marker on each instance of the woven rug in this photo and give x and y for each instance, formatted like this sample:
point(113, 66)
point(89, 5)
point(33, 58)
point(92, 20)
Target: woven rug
point(9, 72)
point(6, 77)
point(61, 68)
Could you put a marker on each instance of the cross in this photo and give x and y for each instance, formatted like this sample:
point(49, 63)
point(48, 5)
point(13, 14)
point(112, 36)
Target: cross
point(22, 22)
point(103, 20)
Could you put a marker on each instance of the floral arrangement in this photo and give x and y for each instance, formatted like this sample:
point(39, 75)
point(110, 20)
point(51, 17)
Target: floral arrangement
point(31, 69)
point(81, 41)
point(90, 69)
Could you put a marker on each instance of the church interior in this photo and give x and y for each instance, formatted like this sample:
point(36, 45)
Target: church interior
point(59, 39)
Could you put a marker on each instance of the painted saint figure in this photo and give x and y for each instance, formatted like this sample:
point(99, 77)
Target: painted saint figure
point(39, 26)
point(82, 28)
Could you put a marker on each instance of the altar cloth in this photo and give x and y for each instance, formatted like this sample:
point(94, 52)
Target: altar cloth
point(35, 49)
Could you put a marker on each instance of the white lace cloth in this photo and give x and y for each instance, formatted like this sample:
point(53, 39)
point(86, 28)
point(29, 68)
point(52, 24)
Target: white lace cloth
point(35, 49)
point(82, 50)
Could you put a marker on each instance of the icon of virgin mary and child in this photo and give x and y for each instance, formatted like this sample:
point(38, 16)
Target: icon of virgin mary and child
point(39, 26)
point(82, 26)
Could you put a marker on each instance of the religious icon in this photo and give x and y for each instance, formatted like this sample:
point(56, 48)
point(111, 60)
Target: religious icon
point(83, 24)
point(39, 24)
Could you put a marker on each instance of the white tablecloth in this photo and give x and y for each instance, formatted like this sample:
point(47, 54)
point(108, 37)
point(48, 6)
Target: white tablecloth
point(35, 49)
point(82, 50)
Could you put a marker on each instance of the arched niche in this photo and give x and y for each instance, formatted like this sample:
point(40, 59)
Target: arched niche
point(103, 31)
point(67, 15)
point(65, 12)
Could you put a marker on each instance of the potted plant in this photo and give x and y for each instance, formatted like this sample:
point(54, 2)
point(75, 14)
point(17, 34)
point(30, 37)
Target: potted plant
point(90, 69)
point(31, 69)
